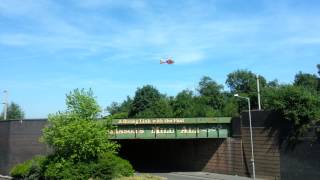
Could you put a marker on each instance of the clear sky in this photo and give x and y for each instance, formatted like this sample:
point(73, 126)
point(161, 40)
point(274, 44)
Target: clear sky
point(49, 47)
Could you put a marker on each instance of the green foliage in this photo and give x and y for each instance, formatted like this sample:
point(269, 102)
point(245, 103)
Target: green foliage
point(160, 109)
point(29, 170)
point(72, 137)
point(14, 111)
point(116, 108)
point(76, 134)
point(183, 104)
point(211, 92)
point(231, 107)
point(144, 98)
point(82, 103)
point(273, 83)
point(80, 145)
point(80, 142)
point(309, 81)
point(148, 102)
point(244, 81)
point(108, 166)
point(297, 105)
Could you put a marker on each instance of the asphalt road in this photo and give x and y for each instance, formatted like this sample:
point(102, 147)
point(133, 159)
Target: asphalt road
point(197, 176)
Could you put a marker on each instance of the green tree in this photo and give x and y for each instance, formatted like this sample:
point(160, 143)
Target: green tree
point(230, 107)
point(75, 134)
point(14, 111)
point(244, 82)
point(318, 66)
point(82, 103)
point(309, 81)
point(145, 98)
point(160, 109)
point(79, 143)
point(298, 106)
point(120, 110)
point(274, 83)
point(183, 104)
point(211, 92)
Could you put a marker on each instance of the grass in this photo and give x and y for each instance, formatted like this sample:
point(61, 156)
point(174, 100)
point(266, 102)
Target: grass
point(142, 177)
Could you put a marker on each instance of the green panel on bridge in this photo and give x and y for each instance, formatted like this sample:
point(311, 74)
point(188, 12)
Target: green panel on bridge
point(171, 128)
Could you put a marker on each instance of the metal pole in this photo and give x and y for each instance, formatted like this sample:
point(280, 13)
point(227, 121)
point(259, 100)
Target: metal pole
point(5, 104)
point(252, 155)
point(258, 89)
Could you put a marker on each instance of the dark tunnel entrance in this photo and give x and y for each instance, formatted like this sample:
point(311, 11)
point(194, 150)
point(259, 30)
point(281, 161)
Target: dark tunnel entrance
point(169, 155)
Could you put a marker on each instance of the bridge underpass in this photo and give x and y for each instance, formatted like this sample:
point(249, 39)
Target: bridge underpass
point(173, 144)
point(167, 155)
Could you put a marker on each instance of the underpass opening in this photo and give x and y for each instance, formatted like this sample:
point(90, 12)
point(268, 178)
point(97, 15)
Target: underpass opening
point(170, 155)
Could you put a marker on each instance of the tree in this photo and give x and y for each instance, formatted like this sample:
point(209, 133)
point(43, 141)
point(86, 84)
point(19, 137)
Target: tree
point(298, 107)
point(83, 104)
point(120, 110)
point(309, 81)
point(145, 98)
point(230, 107)
point(75, 134)
point(211, 92)
point(274, 83)
point(318, 66)
point(14, 111)
point(79, 143)
point(160, 109)
point(244, 82)
point(183, 104)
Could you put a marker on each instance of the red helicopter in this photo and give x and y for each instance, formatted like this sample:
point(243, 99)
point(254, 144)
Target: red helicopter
point(167, 61)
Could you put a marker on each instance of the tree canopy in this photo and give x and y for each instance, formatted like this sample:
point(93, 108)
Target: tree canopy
point(14, 111)
point(297, 105)
point(145, 101)
point(244, 81)
point(306, 80)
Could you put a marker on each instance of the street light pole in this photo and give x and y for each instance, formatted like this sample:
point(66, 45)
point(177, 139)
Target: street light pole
point(251, 138)
point(258, 89)
point(5, 104)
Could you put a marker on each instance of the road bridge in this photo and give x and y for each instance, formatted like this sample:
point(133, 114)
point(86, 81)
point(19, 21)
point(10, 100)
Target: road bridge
point(172, 128)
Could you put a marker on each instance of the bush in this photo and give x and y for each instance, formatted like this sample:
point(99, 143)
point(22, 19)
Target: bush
point(31, 169)
point(108, 166)
point(118, 166)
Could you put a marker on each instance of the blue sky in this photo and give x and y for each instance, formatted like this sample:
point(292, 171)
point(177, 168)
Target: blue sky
point(51, 47)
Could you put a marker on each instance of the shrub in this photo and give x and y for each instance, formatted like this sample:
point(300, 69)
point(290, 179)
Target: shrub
point(110, 162)
point(31, 169)
point(108, 166)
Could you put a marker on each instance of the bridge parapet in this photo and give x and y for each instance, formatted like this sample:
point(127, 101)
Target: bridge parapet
point(171, 128)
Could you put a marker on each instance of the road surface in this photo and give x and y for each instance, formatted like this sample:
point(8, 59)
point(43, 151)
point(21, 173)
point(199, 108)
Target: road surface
point(197, 176)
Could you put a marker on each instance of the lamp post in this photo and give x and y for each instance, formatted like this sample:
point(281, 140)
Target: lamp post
point(5, 104)
point(251, 139)
point(258, 90)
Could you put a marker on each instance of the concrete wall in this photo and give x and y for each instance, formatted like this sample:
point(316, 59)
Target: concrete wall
point(302, 162)
point(19, 141)
point(265, 144)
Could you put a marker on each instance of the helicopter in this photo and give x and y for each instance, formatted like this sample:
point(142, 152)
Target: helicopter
point(166, 61)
